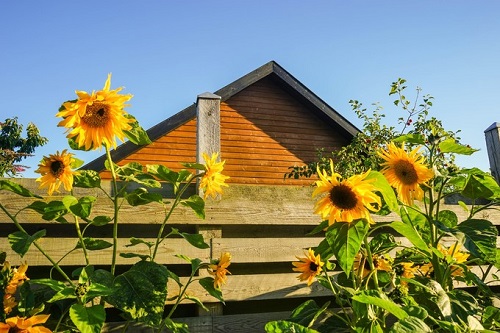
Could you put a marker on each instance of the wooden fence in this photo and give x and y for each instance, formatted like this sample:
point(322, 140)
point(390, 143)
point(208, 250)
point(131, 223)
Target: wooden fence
point(263, 227)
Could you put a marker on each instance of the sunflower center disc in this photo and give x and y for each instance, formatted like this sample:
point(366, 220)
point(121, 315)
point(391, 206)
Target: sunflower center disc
point(406, 173)
point(97, 115)
point(343, 197)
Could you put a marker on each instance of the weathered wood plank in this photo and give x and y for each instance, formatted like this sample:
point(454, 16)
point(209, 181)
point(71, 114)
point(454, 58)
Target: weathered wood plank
point(57, 248)
point(239, 323)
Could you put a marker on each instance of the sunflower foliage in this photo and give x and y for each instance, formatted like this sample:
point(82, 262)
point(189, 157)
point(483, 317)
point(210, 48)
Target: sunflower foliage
point(426, 268)
point(76, 301)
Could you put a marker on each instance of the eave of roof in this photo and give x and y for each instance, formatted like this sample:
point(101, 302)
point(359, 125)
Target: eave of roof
point(271, 69)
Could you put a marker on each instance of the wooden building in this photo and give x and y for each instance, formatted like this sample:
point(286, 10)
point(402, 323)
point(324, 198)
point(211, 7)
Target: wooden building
point(269, 121)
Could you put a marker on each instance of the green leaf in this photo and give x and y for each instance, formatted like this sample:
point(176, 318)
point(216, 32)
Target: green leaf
point(491, 317)
point(481, 185)
point(448, 218)
point(88, 319)
point(51, 283)
point(194, 239)
point(136, 241)
point(141, 196)
point(129, 255)
point(66, 293)
point(87, 179)
point(345, 241)
point(480, 238)
point(80, 207)
point(176, 327)
point(417, 139)
point(381, 300)
point(162, 172)
point(16, 188)
point(92, 244)
point(197, 204)
point(452, 146)
point(137, 134)
point(101, 220)
point(147, 180)
point(416, 311)
point(283, 326)
point(319, 228)
point(141, 292)
point(307, 313)
point(411, 234)
point(174, 277)
point(20, 241)
point(74, 145)
point(197, 301)
point(410, 325)
point(208, 284)
point(196, 166)
point(382, 243)
point(385, 189)
point(37, 206)
point(54, 210)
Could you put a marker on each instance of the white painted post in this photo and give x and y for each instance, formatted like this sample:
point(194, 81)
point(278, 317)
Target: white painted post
point(492, 136)
point(208, 142)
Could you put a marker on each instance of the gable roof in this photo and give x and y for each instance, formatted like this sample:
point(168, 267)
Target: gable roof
point(272, 70)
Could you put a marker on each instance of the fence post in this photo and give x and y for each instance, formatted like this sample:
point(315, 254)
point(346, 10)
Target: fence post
point(492, 136)
point(208, 141)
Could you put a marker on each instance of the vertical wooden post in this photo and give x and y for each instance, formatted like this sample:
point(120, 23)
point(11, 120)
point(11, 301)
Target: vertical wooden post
point(492, 136)
point(207, 125)
point(208, 142)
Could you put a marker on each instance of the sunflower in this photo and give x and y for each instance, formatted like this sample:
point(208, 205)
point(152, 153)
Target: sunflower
point(95, 119)
point(309, 266)
point(454, 256)
point(25, 325)
point(17, 279)
point(345, 200)
point(56, 169)
point(212, 180)
point(362, 267)
point(406, 270)
point(405, 172)
point(218, 268)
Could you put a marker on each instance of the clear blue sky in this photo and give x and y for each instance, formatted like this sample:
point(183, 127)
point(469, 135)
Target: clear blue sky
point(165, 53)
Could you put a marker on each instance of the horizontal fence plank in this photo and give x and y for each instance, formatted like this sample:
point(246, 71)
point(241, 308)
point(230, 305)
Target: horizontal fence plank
point(239, 323)
point(239, 205)
point(58, 248)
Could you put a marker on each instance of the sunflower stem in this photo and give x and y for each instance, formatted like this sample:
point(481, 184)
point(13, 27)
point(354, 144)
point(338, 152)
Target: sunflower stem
point(370, 262)
point(347, 319)
point(159, 237)
point(80, 237)
point(115, 208)
point(42, 251)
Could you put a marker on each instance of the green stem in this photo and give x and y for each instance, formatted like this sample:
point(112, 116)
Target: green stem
point(177, 302)
point(370, 262)
point(347, 319)
point(115, 209)
point(80, 237)
point(42, 251)
point(159, 237)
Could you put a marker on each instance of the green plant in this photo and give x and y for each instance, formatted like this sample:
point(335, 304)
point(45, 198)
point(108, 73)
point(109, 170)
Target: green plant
point(76, 300)
point(383, 283)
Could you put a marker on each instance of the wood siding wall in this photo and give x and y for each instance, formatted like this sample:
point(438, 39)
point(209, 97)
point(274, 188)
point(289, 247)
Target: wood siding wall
point(264, 131)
